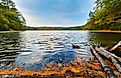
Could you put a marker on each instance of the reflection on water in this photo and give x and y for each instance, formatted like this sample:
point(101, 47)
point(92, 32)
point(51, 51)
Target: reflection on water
point(9, 47)
point(106, 39)
point(33, 49)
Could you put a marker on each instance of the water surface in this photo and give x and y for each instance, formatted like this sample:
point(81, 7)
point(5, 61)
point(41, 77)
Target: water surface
point(33, 49)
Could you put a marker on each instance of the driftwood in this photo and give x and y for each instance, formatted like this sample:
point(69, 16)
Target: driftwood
point(110, 54)
point(104, 65)
point(116, 46)
point(115, 60)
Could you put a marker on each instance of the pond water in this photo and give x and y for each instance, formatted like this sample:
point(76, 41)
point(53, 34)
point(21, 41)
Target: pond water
point(33, 49)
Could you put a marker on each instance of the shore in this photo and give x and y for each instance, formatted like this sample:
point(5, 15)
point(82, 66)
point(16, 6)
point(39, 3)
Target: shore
point(69, 30)
point(104, 31)
point(81, 69)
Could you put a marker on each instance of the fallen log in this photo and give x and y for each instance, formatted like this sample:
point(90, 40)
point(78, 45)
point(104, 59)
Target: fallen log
point(110, 53)
point(115, 60)
point(104, 65)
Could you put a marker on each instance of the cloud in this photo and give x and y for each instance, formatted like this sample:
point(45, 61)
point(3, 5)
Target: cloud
point(32, 20)
point(54, 12)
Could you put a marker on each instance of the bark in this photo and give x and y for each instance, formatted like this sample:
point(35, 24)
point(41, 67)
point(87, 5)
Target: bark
point(104, 65)
point(115, 60)
point(110, 54)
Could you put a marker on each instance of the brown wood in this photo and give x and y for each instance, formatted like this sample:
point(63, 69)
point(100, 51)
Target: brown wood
point(110, 53)
point(104, 65)
point(115, 60)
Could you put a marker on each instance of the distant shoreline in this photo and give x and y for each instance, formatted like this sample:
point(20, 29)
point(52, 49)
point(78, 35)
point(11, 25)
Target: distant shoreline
point(115, 31)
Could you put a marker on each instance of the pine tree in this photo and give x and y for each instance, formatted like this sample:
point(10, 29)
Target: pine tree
point(10, 17)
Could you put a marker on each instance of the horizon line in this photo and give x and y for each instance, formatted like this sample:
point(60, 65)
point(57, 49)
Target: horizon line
point(55, 25)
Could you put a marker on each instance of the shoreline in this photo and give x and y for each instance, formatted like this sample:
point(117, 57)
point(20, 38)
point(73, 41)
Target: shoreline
point(9, 31)
point(115, 31)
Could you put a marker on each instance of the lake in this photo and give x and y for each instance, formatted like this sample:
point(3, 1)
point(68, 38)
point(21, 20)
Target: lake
point(33, 49)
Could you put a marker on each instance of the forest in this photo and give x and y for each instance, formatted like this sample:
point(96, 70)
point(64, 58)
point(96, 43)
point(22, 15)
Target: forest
point(53, 28)
point(106, 15)
point(10, 17)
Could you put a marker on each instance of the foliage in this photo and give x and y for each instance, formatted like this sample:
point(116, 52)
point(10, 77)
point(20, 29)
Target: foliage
point(92, 27)
point(10, 17)
point(53, 28)
point(106, 14)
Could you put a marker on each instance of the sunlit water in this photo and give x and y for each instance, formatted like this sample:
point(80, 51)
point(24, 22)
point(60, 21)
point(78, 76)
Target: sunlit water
point(34, 49)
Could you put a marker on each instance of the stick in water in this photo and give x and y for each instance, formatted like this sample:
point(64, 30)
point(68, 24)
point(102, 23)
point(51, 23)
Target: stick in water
point(116, 46)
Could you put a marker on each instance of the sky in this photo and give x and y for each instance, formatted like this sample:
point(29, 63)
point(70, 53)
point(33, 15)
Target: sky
point(55, 12)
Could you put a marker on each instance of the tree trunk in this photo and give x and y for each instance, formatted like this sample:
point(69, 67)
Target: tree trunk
point(115, 60)
point(104, 65)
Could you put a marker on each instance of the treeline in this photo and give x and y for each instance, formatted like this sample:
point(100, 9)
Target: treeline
point(10, 17)
point(53, 28)
point(105, 15)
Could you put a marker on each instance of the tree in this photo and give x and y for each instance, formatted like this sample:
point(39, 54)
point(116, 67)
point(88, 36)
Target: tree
point(106, 13)
point(10, 17)
point(8, 3)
